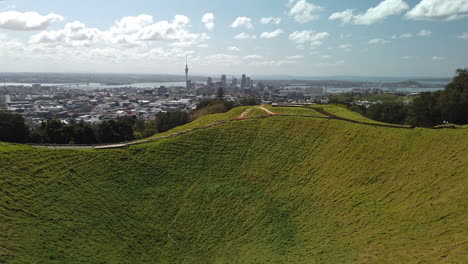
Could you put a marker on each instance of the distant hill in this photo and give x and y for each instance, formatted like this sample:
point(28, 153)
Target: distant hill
point(282, 189)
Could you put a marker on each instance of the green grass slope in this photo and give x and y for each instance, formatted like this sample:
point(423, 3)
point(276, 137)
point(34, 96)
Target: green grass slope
point(348, 114)
point(272, 190)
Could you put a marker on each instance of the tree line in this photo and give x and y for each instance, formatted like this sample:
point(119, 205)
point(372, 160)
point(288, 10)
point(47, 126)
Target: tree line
point(13, 127)
point(428, 108)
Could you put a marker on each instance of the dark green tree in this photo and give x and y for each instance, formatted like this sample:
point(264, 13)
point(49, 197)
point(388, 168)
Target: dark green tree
point(169, 120)
point(246, 101)
point(425, 111)
point(13, 128)
point(393, 113)
point(220, 93)
point(453, 102)
point(55, 133)
point(113, 131)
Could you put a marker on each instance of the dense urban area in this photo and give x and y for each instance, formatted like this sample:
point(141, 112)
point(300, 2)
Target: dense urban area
point(117, 110)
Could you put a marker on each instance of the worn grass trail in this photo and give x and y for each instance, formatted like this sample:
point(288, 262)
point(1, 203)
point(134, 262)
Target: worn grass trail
point(281, 189)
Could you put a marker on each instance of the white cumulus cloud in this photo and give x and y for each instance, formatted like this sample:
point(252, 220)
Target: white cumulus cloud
point(294, 57)
point(403, 36)
point(373, 15)
point(303, 11)
point(444, 10)
point(272, 34)
point(270, 20)
point(242, 22)
point(176, 31)
point(232, 48)
point(345, 16)
point(74, 34)
point(377, 41)
point(208, 19)
point(9, 46)
point(253, 57)
point(132, 23)
point(309, 36)
point(243, 36)
point(424, 33)
point(438, 58)
point(346, 47)
point(27, 21)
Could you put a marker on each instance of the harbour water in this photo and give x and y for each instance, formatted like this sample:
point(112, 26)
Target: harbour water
point(439, 83)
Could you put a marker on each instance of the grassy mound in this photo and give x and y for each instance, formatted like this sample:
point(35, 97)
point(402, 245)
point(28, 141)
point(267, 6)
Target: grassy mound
point(278, 190)
point(345, 113)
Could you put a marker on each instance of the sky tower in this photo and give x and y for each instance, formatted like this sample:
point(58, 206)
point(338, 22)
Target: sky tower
point(188, 83)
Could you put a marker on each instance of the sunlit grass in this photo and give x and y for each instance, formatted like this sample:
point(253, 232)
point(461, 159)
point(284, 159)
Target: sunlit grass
point(278, 190)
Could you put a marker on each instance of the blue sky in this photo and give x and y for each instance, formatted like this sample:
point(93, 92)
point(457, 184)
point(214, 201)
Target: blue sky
point(297, 37)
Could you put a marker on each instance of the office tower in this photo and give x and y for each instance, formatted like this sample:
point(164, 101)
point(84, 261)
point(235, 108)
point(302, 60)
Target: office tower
point(223, 79)
point(244, 81)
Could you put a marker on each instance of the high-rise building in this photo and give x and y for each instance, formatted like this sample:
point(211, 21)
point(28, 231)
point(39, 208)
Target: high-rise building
point(209, 81)
point(223, 79)
point(234, 81)
point(162, 91)
point(244, 81)
point(247, 82)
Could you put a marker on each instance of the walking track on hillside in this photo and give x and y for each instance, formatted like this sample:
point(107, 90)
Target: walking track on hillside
point(243, 116)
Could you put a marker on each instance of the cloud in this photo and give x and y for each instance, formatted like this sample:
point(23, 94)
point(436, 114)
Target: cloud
point(130, 31)
point(174, 52)
point(442, 10)
point(331, 64)
point(243, 36)
point(27, 21)
point(373, 15)
point(208, 19)
point(220, 59)
point(346, 47)
point(424, 33)
point(345, 16)
point(272, 63)
point(270, 20)
point(253, 57)
point(421, 33)
point(403, 36)
point(124, 31)
point(242, 22)
point(464, 35)
point(232, 48)
point(300, 47)
point(303, 11)
point(10, 47)
point(381, 12)
point(378, 41)
point(174, 31)
point(74, 34)
point(132, 23)
point(203, 46)
point(294, 57)
point(438, 58)
point(273, 34)
point(309, 36)
point(406, 57)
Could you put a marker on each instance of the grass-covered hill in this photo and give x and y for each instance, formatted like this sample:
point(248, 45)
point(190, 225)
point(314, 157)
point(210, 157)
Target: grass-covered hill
point(281, 189)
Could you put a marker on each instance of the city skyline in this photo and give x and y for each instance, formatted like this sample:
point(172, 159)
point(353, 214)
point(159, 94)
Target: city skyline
point(295, 37)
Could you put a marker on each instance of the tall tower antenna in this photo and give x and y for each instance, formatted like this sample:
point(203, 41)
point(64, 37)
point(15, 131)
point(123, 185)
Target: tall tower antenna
point(186, 68)
point(188, 84)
